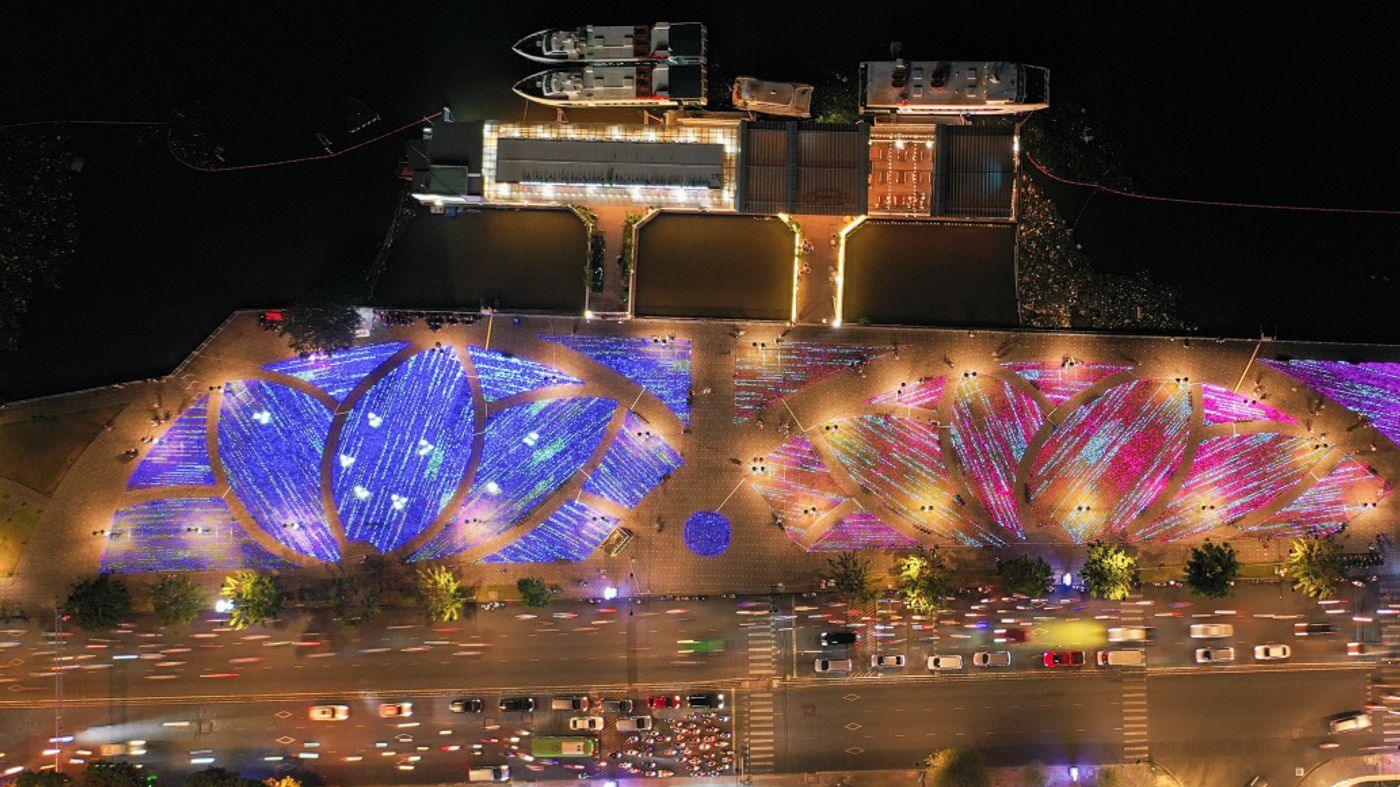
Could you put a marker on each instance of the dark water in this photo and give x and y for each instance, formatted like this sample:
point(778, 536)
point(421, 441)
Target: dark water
point(931, 274)
point(715, 266)
point(1282, 103)
point(515, 260)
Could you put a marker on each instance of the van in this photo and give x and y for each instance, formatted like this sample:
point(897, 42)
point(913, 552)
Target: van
point(1122, 658)
point(578, 704)
point(489, 773)
point(634, 724)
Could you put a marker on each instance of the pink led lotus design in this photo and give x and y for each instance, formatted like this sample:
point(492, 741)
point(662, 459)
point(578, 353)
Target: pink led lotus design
point(1070, 451)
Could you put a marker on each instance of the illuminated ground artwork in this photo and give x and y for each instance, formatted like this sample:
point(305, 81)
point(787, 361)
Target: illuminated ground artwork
point(477, 454)
point(415, 465)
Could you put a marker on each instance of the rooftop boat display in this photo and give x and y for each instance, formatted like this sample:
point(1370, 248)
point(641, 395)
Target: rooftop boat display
point(791, 99)
point(947, 87)
point(638, 85)
point(675, 41)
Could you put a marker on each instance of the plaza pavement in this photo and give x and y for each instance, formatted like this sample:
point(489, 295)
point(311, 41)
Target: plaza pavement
point(63, 549)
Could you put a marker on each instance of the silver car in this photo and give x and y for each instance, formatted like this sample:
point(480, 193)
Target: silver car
point(991, 658)
point(1214, 655)
point(1211, 630)
point(938, 663)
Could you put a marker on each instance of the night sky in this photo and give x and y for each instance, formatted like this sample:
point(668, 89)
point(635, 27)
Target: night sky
point(1278, 102)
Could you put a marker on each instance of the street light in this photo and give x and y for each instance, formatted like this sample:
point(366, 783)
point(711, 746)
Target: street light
point(223, 606)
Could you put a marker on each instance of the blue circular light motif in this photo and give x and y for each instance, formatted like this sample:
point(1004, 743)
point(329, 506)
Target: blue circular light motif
point(707, 533)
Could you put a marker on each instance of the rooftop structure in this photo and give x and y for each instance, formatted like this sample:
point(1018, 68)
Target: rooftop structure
point(948, 87)
point(556, 163)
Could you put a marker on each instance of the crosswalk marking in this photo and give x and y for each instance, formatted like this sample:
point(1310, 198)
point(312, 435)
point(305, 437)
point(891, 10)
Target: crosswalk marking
point(1134, 700)
point(759, 733)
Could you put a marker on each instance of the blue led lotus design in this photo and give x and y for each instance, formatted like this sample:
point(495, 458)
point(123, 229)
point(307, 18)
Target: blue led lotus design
point(426, 453)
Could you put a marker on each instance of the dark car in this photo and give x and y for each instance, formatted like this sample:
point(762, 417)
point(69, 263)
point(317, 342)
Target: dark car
point(517, 704)
point(1064, 658)
point(618, 706)
point(707, 700)
point(465, 705)
point(839, 637)
point(1314, 629)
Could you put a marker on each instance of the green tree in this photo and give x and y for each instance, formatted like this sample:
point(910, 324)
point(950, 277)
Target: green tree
point(925, 579)
point(357, 594)
point(850, 573)
point(177, 600)
point(1315, 566)
point(43, 779)
point(1029, 576)
point(1109, 571)
point(1211, 569)
point(835, 99)
point(256, 597)
point(441, 592)
point(956, 768)
point(99, 603)
point(534, 592)
point(322, 324)
point(1125, 776)
point(219, 777)
point(105, 773)
point(1034, 774)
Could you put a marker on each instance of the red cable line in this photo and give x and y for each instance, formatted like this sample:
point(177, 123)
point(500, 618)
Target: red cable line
point(317, 157)
point(1209, 202)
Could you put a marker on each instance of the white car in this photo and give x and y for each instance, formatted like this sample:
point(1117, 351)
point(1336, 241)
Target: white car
point(1214, 655)
point(1211, 630)
point(1128, 634)
point(945, 662)
point(886, 661)
point(1272, 652)
point(586, 723)
point(1349, 722)
point(834, 665)
point(328, 713)
point(991, 658)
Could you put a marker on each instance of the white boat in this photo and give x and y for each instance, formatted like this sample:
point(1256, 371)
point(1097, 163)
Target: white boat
point(948, 87)
point(639, 85)
point(675, 41)
point(791, 99)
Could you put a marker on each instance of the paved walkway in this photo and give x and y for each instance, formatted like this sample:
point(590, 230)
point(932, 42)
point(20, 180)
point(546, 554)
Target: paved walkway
point(716, 447)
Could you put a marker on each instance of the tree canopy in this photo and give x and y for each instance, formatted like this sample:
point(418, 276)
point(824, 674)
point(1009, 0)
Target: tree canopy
point(441, 592)
point(105, 773)
point(322, 324)
point(1211, 569)
point(1109, 571)
point(926, 579)
point(256, 597)
point(956, 768)
point(533, 591)
point(218, 777)
point(43, 779)
point(850, 574)
point(177, 600)
point(99, 603)
point(1315, 566)
point(1027, 575)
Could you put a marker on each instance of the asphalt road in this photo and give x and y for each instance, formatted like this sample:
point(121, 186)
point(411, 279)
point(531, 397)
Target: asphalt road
point(244, 695)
